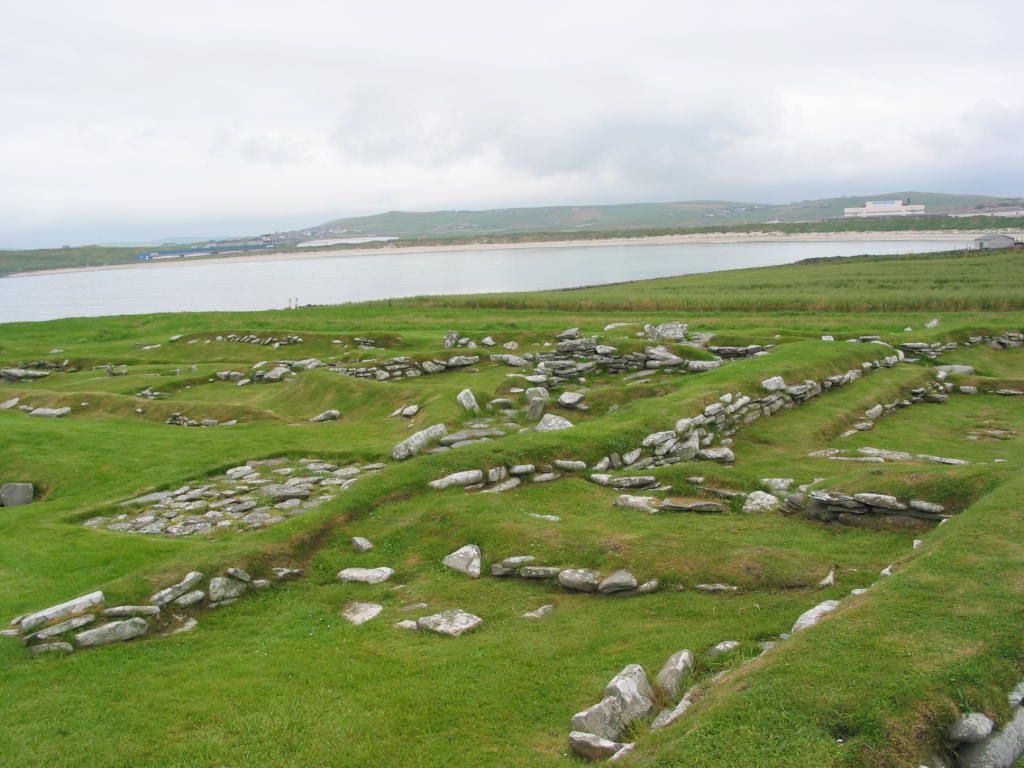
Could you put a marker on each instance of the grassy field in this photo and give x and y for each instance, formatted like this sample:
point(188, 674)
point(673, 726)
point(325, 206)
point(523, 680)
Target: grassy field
point(282, 679)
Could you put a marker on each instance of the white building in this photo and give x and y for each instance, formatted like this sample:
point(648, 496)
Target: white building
point(986, 242)
point(877, 208)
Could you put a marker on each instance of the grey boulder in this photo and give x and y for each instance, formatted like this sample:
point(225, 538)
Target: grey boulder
point(671, 676)
point(580, 579)
point(465, 560)
point(633, 691)
point(620, 581)
point(603, 719)
point(590, 746)
point(970, 728)
point(16, 494)
point(225, 588)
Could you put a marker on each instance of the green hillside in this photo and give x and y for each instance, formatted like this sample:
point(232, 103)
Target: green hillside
point(692, 213)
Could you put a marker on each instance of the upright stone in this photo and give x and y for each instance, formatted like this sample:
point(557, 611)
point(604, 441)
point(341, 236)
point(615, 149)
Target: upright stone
point(671, 676)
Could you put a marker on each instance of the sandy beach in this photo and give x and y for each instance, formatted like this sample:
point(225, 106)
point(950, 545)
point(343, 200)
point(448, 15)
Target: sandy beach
point(962, 236)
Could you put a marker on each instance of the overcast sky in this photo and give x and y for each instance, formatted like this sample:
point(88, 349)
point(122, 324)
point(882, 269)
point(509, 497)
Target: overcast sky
point(136, 120)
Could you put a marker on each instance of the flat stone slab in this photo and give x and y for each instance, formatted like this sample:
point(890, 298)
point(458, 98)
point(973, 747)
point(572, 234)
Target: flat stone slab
point(360, 613)
point(114, 632)
point(690, 504)
point(365, 575)
point(61, 611)
point(453, 623)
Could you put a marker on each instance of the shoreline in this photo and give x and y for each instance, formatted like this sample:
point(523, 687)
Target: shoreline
point(682, 239)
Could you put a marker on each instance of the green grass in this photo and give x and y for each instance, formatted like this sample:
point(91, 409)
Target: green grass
point(280, 679)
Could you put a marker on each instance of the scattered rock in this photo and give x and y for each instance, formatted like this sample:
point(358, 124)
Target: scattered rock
point(667, 717)
point(722, 455)
point(580, 579)
point(970, 728)
point(571, 399)
point(61, 611)
point(643, 503)
point(114, 632)
point(671, 676)
point(759, 501)
point(539, 572)
point(812, 616)
point(50, 413)
point(359, 544)
point(458, 479)
point(633, 691)
point(1001, 749)
point(539, 613)
point(467, 400)
point(330, 415)
point(174, 591)
point(360, 613)
point(453, 622)
point(238, 573)
point(51, 648)
point(589, 746)
point(224, 588)
point(127, 611)
point(723, 647)
point(465, 560)
point(619, 581)
point(716, 587)
point(552, 423)
point(605, 719)
point(365, 575)
point(415, 443)
point(16, 494)
point(189, 599)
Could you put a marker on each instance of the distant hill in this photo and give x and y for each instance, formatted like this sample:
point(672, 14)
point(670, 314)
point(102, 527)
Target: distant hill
point(584, 218)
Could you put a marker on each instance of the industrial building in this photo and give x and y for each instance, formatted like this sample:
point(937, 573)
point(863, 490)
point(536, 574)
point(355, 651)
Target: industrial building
point(879, 208)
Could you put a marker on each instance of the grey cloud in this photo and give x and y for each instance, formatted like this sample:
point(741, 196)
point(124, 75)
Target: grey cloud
point(132, 119)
